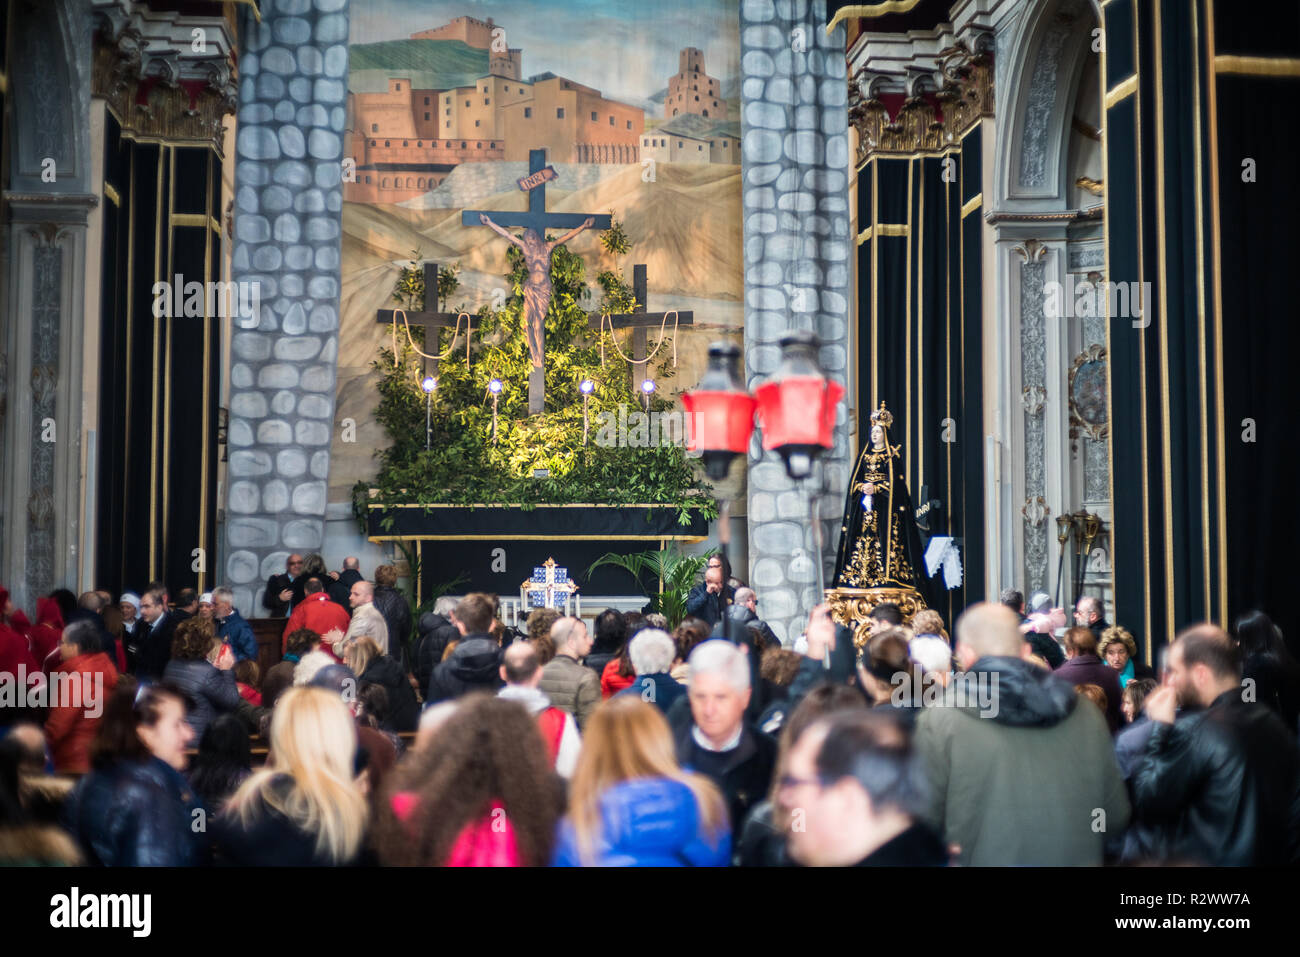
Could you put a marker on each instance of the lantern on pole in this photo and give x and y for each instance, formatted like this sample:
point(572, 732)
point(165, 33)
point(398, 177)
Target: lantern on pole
point(719, 412)
point(796, 407)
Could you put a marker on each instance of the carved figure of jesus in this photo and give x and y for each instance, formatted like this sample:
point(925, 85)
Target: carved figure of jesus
point(537, 287)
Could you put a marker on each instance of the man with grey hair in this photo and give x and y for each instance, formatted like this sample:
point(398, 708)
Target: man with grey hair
point(1091, 614)
point(652, 652)
point(433, 633)
point(717, 741)
point(366, 619)
point(231, 626)
point(745, 612)
point(1019, 772)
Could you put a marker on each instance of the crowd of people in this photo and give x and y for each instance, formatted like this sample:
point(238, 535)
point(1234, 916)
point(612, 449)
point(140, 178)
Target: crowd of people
point(452, 739)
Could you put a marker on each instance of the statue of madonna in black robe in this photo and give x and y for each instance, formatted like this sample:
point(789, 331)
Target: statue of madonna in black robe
point(880, 546)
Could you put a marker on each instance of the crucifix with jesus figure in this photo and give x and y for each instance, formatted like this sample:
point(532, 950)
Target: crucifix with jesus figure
point(537, 258)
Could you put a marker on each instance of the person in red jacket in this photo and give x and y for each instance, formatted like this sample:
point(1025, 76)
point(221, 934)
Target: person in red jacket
point(15, 649)
point(618, 672)
point(316, 613)
point(79, 687)
point(48, 630)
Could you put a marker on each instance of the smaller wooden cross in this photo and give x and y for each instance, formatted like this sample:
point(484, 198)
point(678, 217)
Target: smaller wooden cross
point(431, 321)
point(640, 320)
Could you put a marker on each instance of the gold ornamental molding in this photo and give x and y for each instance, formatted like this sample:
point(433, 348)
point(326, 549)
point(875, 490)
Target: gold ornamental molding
point(925, 123)
point(164, 108)
point(852, 607)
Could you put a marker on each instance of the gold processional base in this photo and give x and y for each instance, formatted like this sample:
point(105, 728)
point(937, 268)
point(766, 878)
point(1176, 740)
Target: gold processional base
point(852, 606)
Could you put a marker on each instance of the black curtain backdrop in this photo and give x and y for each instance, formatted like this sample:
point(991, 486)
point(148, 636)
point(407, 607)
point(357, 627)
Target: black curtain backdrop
point(159, 377)
point(1201, 409)
point(920, 348)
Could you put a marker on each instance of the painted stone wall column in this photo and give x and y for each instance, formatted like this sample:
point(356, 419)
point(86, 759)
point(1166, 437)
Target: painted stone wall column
point(288, 210)
point(795, 159)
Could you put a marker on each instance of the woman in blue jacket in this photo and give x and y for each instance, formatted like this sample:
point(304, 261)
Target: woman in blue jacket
point(631, 804)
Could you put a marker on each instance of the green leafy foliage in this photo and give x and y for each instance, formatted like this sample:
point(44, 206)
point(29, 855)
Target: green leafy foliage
point(464, 466)
point(675, 570)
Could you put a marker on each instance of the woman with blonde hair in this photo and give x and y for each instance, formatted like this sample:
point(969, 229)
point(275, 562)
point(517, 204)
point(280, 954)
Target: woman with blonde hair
point(305, 808)
point(371, 666)
point(630, 802)
point(1117, 648)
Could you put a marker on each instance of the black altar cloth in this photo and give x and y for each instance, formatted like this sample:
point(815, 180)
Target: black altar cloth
point(497, 546)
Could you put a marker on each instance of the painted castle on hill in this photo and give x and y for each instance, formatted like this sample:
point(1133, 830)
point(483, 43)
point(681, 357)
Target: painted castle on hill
point(456, 94)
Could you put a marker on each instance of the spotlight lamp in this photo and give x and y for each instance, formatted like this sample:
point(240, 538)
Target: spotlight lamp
point(494, 386)
point(586, 387)
point(429, 384)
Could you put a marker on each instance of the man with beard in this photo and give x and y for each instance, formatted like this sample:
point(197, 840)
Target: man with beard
point(1223, 782)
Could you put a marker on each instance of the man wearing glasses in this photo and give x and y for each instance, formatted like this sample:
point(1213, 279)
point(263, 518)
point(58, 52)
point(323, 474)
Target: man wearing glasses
point(278, 599)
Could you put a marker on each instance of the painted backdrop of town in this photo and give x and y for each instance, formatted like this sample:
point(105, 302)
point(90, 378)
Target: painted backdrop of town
point(445, 100)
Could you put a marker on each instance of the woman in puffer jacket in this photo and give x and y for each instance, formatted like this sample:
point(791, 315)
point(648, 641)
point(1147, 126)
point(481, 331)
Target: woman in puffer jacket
point(631, 804)
point(202, 667)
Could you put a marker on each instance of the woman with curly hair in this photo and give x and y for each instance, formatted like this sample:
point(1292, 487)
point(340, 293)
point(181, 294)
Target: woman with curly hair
point(482, 795)
point(632, 805)
point(203, 667)
point(1118, 649)
point(689, 633)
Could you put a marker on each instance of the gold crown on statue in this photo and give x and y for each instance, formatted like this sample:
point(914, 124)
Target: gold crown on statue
point(882, 417)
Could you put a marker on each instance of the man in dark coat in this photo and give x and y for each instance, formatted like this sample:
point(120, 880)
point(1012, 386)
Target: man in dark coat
point(708, 600)
point(745, 612)
point(340, 589)
point(1083, 667)
point(152, 647)
point(279, 594)
point(393, 606)
point(435, 632)
point(851, 783)
point(1091, 614)
point(716, 741)
point(1225, 779)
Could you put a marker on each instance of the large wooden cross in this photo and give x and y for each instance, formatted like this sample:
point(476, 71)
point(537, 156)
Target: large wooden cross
point(537, 258)
point(430, 320)
point(640, 320)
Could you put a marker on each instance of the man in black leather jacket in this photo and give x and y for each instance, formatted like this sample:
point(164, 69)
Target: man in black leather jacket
point(1223, 783)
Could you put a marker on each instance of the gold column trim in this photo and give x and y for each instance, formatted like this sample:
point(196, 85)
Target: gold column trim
point(1222, 503)
point(1142, 360)
point(972, 204)
point(167, 365)
point(1198, 172)
point(915, 428)
point(965, 96)
point(1110, 404)
point(191, 219)
point(875, 289)
point(153, 397)
point(1256, 65)
point(1162, 334)
point(867, 10)
point(1121, 91)
point(907, 329)
point(112, 194)
point(205, 450)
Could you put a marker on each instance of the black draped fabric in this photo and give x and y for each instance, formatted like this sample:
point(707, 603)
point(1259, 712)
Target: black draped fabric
point(880, 547)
